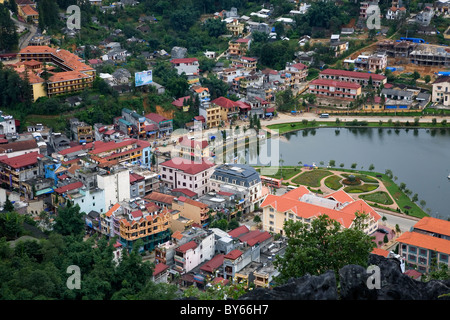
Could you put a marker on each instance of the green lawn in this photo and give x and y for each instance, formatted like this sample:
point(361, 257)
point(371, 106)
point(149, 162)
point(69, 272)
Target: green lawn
point(361, 188)
point(333, 182)
point(285, 172)
point(362, 177)
point(380, 197)
point(312, 178)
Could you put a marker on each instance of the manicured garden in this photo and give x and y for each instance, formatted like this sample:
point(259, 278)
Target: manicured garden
point(311, 178)
point(380, 197)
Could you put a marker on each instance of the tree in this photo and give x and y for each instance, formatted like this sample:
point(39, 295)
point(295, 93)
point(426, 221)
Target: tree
point(371, 167)
point(321, 246)
point(427, 78)
point(69, 221)
point(9, 39)
point(332, 163)
point(215, 27)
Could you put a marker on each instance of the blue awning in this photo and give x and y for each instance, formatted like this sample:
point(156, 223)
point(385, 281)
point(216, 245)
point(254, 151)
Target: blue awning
point(269, 114)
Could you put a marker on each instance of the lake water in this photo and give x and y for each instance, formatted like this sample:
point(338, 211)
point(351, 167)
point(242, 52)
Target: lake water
point(418, 157)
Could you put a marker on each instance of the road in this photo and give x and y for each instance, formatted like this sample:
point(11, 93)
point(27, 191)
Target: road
point(24, 40)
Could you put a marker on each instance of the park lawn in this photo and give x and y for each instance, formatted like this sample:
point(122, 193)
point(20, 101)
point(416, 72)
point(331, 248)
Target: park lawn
point(311, 178)
point(285, 172)
point(403, 201)
point(361, 188)
point(295, 126)
point(333, 182)
point(380, 197)
point(362, 177)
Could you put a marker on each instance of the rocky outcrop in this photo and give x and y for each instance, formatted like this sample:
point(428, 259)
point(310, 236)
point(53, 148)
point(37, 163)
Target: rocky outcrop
point(353, 285)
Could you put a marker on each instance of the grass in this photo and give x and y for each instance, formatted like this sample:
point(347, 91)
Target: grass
point(362, 177)
point(285, 172)
point(333, 182)
point(311, 178)
point(361, 188)
point(380, 197)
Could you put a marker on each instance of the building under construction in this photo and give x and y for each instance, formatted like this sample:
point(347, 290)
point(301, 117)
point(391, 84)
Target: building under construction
point(397, 49)
point(429, 55)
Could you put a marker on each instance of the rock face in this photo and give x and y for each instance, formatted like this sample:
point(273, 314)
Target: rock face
point(356, 283)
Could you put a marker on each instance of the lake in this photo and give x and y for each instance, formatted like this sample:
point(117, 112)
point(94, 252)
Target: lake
point(418, 157)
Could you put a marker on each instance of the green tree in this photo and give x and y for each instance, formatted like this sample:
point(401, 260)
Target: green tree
point(69, 221)
point(9, 39)
point(322, 246)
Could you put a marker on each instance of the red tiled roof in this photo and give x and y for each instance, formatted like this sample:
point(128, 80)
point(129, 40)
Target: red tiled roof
point(135, 177)
point(353, 74)
point(183, 60)
point(188, 166)
point(160, 197)
point(213, 264)
point(24, 160)
point(299, 66)
point(224, 102)
point(187, 192)
point(185, 141)
point(254, 237)
point(187, 246)
point(380, 252)
point(71, 186)
point(179, 102)
point(160, 267)
point(335, 83)
point(156, 117)
point(137, 213)
point(233, 255)
point(112, 210)
point(235, 233)
point(100, 146)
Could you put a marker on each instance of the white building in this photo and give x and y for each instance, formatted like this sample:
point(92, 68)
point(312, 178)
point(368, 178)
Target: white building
point(116, 186)
point(179, 173)
point(193, 253)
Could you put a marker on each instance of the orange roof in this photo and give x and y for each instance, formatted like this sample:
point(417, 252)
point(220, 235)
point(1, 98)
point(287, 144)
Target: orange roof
point(177, 235)
point(425, 241)
point(67, 76)
point(380, 252)
point(112, 210)
point(435, 225)
point(290, 202)
point(29, 11)
point(340, 196)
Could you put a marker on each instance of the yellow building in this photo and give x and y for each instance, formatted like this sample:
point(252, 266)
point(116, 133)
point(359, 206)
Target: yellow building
point(192, 210)
point(238, 47)
point(28, 13)
point(76, 75)
point(236, 28)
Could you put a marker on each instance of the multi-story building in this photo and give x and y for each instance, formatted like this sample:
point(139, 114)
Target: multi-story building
point(235, 28)
point(334, 89)
point(431, 55)
point(238, 47)
point(193, 253)
point(81, 131)
point(241, 180)
point(17, 169)
point(192, 149)
point(7, 124)
point(302, 205)
point(76, 75)
point(188, 66)
point(128, 150)
point(361, 78)
point(427, 245)
point(228, 108)
point(116, 186)
point(183, 173)
point(295, 74)
point(131, 225)
point(441, 90)
point(137, 121)
point(192, 210)
point(164, 125)
point(211, 113)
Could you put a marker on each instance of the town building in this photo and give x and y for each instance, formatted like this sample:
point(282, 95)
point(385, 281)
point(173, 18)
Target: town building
point(302, 205)
point(183, 173)
point(295, 73)
point(76, 75)
point(334, 89)
point(188, 66)
point(441, 91)
point(361, 78)
point(193, 210)
point(81, 131)
point(164, 126)
point(15, 170)
point(239, 179)
point(193, 253)
point(238, 47)
point(426, 245)
point(228, 108)
point(431, 55)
